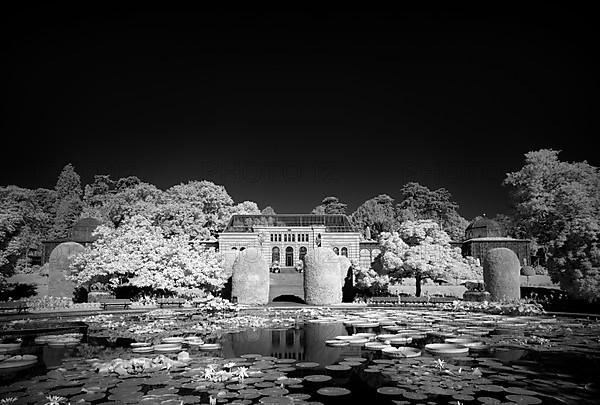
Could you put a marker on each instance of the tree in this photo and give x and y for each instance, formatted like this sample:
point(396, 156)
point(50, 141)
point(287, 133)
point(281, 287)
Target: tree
point(140, 254)
point(419, 202)
point(558, 205)
point(421, 249)
point(216, 202)
point(68, 205)
point(376, 213)
point(244, 208)
point(26, 217)
point(268, 210)
point(330, 205)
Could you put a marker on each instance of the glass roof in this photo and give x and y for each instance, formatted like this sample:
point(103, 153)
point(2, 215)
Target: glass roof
point(246, 223)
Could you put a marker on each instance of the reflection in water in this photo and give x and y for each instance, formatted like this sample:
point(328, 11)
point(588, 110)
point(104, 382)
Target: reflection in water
point(306, 343)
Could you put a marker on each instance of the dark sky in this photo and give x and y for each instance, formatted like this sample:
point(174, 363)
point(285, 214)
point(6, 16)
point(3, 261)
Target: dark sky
point(284, 109)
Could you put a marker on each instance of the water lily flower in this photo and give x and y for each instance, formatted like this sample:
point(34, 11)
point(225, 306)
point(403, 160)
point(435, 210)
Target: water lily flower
point(242, 372)
point(55, 400)
point(8, 400)
point(440, 364)
point(229, 365)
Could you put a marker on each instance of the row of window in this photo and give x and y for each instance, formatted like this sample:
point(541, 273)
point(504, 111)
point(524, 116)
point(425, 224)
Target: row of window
point(289, 250)
point(289, 237)
point(289, 254)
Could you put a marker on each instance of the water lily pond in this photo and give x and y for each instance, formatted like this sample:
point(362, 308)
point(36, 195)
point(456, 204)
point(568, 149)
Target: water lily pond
point(299, 357)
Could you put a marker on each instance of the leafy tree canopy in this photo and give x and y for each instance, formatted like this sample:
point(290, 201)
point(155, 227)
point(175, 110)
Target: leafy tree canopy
point(376, 213)
point(330, 205)
point(419, 202)
point(25, 220)
point(68, 205)
point(421, 249)
point(558, 204)
point(141, 254)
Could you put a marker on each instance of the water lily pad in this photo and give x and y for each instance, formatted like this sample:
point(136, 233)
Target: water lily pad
point(401, 352)
point(307, 364)
point(333, 391)
point(390, 391)
point(317, 378)
point(445, 348)
point(523, 399)
point(273, 392)
point(489, 400)
point(276, 400)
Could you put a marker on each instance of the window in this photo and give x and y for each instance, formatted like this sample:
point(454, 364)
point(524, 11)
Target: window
point(234, 248)
point(345, 251)
point(242, 248)
point(336, 250)
point(289, 256)
point(271, 237)
point(293, 237)
point(275, 255)
point(279, 238)
point(302, 252)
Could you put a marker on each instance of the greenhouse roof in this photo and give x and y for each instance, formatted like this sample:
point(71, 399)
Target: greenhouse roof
point(332, 222)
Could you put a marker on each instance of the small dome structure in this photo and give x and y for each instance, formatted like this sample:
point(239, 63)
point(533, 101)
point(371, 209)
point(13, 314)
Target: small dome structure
point(83, 229)
point(483, 227)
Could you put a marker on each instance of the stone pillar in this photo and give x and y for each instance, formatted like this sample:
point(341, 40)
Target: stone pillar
point(322, 283)
point(60, 259)
point(250, 282)
point(501, 274)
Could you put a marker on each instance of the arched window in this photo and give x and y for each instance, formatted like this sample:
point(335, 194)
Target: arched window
point(234, 248)
point(336, 250)
point(275, 255)
point(345, 251)
point(242, 248)
point(289, 256)
point(302, 252)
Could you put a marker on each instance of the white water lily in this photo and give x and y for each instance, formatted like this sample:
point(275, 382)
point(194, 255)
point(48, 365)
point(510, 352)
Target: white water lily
point(55, 400)
point(242, 372)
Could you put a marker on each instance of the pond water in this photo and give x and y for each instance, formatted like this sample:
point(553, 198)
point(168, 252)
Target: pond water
point(519, 360)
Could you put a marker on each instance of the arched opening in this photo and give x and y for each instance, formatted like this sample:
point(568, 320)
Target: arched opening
point(289, 298)
point(336, 250)
point(275, 255)
point(345, 251)
point(242, 248)
point(234, 248)
point(302, 253)
point(289, 256)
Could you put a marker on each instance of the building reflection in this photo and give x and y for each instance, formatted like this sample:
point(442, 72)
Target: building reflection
point(306, 343)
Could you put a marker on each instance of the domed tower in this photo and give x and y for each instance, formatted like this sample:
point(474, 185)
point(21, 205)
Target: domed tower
point(484, 227)
point(484, 234)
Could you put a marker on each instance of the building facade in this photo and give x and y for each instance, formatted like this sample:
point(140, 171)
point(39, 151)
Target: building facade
point(285, 239)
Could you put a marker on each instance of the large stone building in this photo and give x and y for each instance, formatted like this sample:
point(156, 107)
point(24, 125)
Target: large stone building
point(285, 239)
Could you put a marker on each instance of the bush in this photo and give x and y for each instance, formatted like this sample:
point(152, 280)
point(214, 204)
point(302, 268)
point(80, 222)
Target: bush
point(250, 280)
point(322, 283)
point(368, 283)
point(16, 291)
point(501, 274)
point(528, 271)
